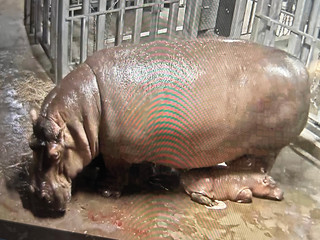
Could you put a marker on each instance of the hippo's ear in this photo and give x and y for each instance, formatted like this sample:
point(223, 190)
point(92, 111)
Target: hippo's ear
point(34, 116)
point(61, 134)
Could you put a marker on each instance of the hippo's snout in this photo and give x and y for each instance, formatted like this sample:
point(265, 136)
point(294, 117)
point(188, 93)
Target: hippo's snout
point(50, 196)
point(276, 194)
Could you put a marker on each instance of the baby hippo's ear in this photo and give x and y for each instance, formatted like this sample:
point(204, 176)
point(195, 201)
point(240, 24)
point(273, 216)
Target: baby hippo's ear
point(34, 116)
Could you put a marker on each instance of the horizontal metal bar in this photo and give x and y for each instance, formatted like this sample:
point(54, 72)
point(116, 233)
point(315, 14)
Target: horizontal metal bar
point(118, 9)
point(143, 34)
point(13, 230)
point(288, 27)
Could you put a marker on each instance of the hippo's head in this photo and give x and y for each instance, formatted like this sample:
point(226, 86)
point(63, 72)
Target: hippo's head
point(51, 178)
point(266, 187)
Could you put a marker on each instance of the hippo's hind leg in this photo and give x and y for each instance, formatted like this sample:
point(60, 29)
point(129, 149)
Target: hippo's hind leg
point(112, 181)
point(253, 163)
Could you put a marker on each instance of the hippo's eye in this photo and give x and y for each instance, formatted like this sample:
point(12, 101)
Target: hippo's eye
point(35, 144)
point(55, 156)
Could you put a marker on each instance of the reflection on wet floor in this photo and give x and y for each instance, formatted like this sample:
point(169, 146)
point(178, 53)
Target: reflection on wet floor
point(141, 214)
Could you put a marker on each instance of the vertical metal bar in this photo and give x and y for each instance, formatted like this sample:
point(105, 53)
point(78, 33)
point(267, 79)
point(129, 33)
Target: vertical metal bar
point(251, 17)
point(54, 37)
point(62, 46)
point(238, 17)
point(313, 23)
point(112, 4)
point(187, 14)
point(45, 36)
point(101, 24)
point(120, 23)
point(27, 7)
point(137, 22)
point(275, 10)
point(260, 25)
point(194, 18)
point(303, 8)
point(173, 19)
point(37, 20)
point(32, 16)
point(70, 36)
point(155, 19)
point(84, 31)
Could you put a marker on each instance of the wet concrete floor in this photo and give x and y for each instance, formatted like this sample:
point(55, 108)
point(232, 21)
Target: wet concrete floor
point(138, 215)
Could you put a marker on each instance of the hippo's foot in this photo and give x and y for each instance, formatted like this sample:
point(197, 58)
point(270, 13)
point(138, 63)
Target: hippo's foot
point(111, 186)
point(110, 189)
point(205, 200)
point(202, 199)
point(110, 193)
point(244, 196)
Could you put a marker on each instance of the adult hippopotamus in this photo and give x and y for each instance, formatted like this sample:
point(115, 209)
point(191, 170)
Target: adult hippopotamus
point(187, 104)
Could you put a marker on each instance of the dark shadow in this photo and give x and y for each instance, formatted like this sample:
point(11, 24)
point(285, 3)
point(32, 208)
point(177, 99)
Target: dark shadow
point(13, 230)
point(144, 177)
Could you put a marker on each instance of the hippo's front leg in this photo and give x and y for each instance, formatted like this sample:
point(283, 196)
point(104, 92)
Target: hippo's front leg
point(112, 181)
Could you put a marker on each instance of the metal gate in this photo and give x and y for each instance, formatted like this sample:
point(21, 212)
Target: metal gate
point(292, 25)
point(71, 30)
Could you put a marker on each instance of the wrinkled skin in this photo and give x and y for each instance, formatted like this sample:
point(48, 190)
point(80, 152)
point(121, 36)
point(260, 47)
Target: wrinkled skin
point(188, 104)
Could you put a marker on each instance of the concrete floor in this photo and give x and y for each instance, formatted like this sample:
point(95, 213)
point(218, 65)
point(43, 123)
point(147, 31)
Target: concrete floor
point(142, 215)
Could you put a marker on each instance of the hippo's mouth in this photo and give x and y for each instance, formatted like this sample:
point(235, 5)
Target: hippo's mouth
point(52, 203)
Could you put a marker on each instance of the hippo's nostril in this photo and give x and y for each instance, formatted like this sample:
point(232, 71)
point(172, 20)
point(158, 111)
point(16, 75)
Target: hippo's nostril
point(45, 196)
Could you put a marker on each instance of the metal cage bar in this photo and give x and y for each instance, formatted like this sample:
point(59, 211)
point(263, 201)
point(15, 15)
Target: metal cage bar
point(192, 18)
point(260, 25)
point(155, 20)
point(299, 22)
point(120, 23)
point(173, 19)
point(101, 22)
point(274, 14)
point(137, 22)
point(238, 17)
point(62, 43)
point(313, 29)
point(45, 22)
point(84, 31)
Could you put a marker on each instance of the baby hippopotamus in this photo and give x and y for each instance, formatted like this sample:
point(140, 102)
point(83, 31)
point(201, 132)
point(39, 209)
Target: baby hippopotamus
point(238, 181)
point(186, 104)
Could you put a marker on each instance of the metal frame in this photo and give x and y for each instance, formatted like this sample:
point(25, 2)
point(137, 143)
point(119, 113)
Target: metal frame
point(52, 23)
point(303, 33)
